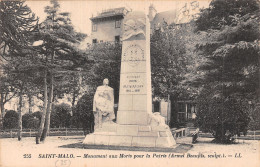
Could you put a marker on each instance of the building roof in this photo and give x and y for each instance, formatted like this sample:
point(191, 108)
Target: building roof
point(115, 12)
point(176, 16)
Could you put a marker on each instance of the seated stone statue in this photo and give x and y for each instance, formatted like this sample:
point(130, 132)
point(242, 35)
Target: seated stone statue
point(103, 104)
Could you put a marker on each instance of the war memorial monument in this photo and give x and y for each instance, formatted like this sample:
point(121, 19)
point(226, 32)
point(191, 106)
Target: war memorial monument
point(136, 125)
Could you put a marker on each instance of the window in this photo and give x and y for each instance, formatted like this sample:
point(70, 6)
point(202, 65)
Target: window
point(94, 41)
point(117, 39)
point(94, 27)
point(118, 23)
point(181, 112)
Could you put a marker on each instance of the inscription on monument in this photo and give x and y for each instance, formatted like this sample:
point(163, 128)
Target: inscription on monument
point(133, 83)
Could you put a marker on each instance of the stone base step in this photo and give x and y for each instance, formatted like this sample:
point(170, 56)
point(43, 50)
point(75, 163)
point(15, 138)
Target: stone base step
point(131, 135)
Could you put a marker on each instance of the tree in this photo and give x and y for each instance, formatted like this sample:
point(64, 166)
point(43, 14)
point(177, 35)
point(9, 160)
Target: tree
point(172, 56)
point(16, 23)
point(223, 12)
point(223, 119)
point(230, 75)
point(73, 83)
point(21, 80)
point(173, 62)
point(61, 55)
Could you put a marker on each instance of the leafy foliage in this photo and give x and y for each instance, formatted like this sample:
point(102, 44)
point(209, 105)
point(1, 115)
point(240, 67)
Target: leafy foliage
point(223, 118)
point(173, 61)
point(84, 113)
point(229, 76)
point(61, 57)
point(10, 119)
point(30, 121)
point(167, 61)
point(60, 117)
point(16, 23)
point(106, 63)
point(222, 12)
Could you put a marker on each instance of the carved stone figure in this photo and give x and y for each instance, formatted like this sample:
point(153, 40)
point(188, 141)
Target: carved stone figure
point(103, 104)
point(155, 119)
point(134, 25)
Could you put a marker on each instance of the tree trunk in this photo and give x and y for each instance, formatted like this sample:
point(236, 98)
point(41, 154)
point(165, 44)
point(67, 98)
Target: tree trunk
point(20, 128)
point(48, 115)
point(44, 108)
point(2, 108)
point(30, 103)
point(49, 106)
point(220, 134)
point(73, 103)
point(258, 90)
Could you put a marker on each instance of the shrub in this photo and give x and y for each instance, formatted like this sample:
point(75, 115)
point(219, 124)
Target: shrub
point(10, 119)
point(30, 121)
point(84, 113)
point(37, 115)
point(60, 116)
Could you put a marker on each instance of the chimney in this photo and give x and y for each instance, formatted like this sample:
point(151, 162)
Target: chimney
point(152, 12)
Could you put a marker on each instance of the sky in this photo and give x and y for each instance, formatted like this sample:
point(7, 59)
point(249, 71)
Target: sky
point(82, 10)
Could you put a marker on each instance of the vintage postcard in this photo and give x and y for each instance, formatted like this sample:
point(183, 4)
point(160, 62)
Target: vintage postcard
point(129, 83)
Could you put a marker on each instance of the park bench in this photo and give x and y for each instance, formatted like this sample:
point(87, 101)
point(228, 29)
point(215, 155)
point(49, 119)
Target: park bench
point(195, 136)
point(178, 132)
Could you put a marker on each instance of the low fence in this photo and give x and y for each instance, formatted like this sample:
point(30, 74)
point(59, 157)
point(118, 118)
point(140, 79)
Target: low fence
point(177, 133)
point(12, 133)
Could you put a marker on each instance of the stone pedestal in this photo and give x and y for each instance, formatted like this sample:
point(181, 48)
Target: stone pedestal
point(136, 125)
point(132, 136)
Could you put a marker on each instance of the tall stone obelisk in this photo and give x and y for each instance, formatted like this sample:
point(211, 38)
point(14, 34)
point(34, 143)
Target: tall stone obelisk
point(136, 125)
point(135, 95)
